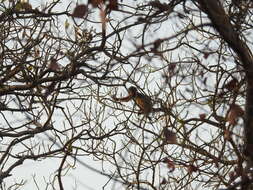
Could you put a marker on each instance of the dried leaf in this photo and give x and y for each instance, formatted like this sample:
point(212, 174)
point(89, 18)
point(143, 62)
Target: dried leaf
point(232, 176)
point(95, 3)
point(216, 162)
point(201, 73)
point(54, 66)
point(231, 85)
point(227, 134)
point(206, 55)
point(80, 11)
point(171, 68)
point(170, 136)
point(202, 116)
point(157, 44)
point(50, 89)
point(170, 164)
point(23, 6)
point(164, 181)
point(191, 168)
point(113, 5)
point(234, 112)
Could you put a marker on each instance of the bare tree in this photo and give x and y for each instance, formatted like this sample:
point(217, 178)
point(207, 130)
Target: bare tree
point(158, 91)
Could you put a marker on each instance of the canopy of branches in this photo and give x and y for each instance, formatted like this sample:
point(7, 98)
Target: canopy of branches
point(66, 69)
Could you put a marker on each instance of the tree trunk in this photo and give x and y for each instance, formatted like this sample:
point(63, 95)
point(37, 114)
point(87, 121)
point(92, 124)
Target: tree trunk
point(221, 23)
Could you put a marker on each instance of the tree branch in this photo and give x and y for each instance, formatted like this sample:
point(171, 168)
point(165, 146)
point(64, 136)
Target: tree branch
point(222, 24)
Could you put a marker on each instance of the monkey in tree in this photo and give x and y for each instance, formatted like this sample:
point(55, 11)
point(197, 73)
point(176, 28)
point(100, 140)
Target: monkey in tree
point(143, 101)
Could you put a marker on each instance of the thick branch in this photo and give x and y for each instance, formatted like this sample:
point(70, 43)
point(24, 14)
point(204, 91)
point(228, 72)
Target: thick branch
point(221, 23)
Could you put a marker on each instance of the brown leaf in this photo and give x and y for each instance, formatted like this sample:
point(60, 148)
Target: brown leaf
point(95, 3)
point(231, 85)
point(113, 5)
point(50, 89)
point(23, 6)
point(164, 181)
point(53, 65)
point(172, 67)
point(157, 44)
point(234, 112)
point(216, 162)
point(170, 164)
point(80, 11)
point(227, 134)
point(170, 136)
point(206, 55)
point(191, 168)
point(201, 73)
point(232, 176)
point(202, 116)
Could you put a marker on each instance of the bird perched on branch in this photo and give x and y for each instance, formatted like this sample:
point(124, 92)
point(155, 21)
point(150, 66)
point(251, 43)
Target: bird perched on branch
point(142, 101)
